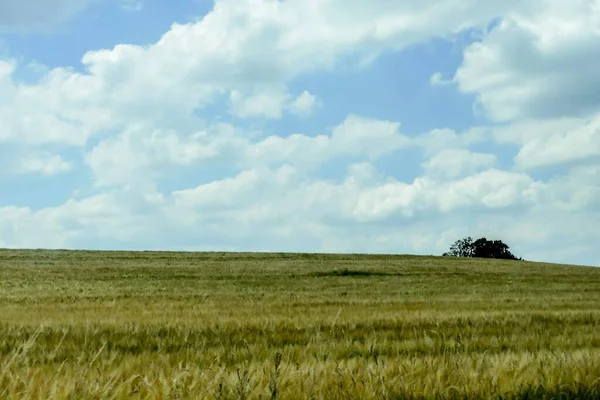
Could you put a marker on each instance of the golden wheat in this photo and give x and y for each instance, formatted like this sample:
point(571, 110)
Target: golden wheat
point(112, 325)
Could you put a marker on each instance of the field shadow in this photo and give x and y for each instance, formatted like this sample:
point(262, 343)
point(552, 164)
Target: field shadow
point(352, 273)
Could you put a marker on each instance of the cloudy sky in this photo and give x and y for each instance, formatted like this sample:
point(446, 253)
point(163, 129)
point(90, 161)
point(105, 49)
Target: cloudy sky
point(301, 125)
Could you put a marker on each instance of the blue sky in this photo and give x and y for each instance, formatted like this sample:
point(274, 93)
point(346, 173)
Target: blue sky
point(321, 126)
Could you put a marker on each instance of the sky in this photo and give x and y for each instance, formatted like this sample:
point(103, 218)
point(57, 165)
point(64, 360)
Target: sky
point(336, 126)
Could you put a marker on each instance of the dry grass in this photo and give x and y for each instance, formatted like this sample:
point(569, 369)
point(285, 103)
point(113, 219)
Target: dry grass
point(86, 325)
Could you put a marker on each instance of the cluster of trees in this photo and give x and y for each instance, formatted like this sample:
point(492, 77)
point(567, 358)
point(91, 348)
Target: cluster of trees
point(480, 248)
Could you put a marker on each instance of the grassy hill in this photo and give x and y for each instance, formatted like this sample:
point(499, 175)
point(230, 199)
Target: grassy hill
point(153, 325)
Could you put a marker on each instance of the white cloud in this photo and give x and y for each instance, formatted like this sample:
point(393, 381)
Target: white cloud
point(238, 47)
point(437, 79)
point(490, 189)
point(140, 152)
point(37, 13)
point(578, 189)
point(7, 68)
point(271, 103)
point(452, 163)
point(45, 164)
point(62, 109)
point(579, 143)
point(305, 104)
point(362, 174)
point(37, 68)
point(126, 215)
point(250, 185)
point(21, 227)
point(296, 149)
point(541, 61)
point(361, 213)
point(438, 140)
point(372, 137)
point(356, 135)
point(132, 5)
point(286, 191)
point(265, 103)
point(551, 142)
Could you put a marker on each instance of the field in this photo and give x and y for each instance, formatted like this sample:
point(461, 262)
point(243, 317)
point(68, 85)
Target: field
point(109, 325)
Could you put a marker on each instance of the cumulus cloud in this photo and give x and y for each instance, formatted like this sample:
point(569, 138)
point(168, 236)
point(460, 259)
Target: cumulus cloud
point(271, 103)
point(438, 140)
point(45, 164)
point(236, 48)
point(355, 136)
point(346, 215)
point(452, 163)
point(305, 104)
point(61, 109)
point(490, 189)
point(278, 194)
point(368, 136)
point(577, 190)
point(579, 143)
point(265, 103)
point(140, 152)
point(540, 61)
point(251, 185)
point(551, 142)
point(437, 79)
point(111, 216)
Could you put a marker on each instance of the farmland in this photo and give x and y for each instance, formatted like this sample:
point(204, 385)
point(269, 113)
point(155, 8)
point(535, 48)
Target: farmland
point(124, 325)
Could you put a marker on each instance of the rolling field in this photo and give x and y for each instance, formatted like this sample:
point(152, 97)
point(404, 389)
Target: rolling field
point(110, 325)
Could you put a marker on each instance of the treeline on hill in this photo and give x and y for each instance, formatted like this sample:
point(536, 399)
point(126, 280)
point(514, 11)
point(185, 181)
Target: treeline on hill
point(480, 248)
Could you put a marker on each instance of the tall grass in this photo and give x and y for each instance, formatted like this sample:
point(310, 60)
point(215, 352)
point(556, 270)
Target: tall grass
point(111, 325)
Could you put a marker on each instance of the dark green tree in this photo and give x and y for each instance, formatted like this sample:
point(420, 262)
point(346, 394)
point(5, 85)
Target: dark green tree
point(480, 248)
point(462, 248)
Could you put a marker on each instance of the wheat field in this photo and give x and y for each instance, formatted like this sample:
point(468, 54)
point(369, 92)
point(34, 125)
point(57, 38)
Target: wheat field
point(119, 325)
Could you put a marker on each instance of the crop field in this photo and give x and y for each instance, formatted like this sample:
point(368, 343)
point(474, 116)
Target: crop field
point(118, 325)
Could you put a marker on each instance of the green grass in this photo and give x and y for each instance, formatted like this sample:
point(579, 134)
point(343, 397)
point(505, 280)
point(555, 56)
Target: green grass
point(117, 325)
